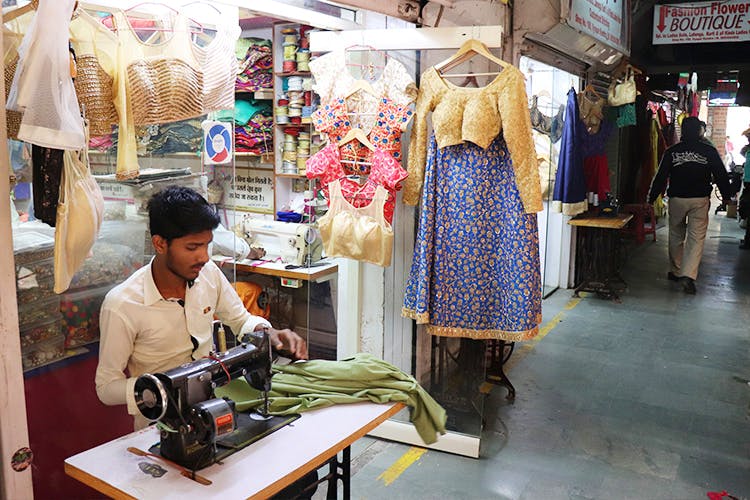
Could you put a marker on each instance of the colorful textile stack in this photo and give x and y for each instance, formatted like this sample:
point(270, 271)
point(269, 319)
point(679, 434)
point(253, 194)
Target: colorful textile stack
point(255, 65)
point(256, 136)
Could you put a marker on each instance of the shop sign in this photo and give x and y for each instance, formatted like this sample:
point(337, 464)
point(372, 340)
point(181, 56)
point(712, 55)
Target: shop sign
point(605, 20)
point(702, 22)
point(252, 191)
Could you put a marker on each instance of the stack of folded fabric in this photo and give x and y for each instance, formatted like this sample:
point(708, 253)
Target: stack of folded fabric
point(184, 136)
point(255, 65)
point(253, 125)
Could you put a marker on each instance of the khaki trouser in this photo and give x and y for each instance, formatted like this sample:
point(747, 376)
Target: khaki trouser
point(688, 221)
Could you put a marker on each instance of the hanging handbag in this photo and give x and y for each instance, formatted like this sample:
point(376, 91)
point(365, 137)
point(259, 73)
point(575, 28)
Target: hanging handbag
point(79, 217)
point(624, 92)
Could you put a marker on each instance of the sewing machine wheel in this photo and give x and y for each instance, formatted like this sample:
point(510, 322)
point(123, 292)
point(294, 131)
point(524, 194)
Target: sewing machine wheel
point(311, 235)
point(151, 397)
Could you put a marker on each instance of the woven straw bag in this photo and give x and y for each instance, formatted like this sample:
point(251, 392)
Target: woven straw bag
point(12, 118)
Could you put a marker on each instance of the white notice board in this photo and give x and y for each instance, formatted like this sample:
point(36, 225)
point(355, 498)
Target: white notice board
point(253, 190)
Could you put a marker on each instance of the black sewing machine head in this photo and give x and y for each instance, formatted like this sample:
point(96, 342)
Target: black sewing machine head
point(192, 420)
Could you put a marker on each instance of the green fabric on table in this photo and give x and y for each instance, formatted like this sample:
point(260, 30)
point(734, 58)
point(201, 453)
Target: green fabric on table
point(300, 387)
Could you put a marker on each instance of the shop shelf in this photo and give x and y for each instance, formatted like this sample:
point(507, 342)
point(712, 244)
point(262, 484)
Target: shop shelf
point(41, 331)
point(293, 73)
point(80, 315)
point(43, 353)
point(35, 280)
point(38, 311)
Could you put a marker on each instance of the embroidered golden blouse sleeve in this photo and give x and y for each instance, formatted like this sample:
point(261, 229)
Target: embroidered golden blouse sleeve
point(418, 145)
point(516, 126)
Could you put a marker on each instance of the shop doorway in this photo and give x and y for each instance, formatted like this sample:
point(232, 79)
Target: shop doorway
point(547, 88)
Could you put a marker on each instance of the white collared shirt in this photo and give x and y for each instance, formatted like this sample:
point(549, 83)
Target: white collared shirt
point(143, 332)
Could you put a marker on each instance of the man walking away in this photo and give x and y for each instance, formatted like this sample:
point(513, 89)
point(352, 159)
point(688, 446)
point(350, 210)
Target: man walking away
point(690, 167)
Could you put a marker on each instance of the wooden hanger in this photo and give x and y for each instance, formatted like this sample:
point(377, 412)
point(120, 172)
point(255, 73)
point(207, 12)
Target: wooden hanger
point(362, 85)
point(9, 16)
point(590, 88)
point(358, 134)
point(469, 49)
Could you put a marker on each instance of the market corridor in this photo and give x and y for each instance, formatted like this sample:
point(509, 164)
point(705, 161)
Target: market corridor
point(648, 398)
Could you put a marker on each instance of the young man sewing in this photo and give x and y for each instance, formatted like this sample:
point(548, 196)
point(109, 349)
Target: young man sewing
point(162, 315)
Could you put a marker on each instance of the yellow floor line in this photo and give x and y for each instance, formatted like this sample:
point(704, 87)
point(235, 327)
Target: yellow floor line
point(521, 350)
point(399, 466)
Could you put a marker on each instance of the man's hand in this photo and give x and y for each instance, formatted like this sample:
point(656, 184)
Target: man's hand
point(288, 342)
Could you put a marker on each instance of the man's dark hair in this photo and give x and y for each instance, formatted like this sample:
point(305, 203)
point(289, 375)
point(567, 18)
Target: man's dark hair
point(691, 129)
point(179, 211)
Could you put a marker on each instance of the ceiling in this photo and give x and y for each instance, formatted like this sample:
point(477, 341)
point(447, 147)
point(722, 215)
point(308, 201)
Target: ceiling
point(706, 58)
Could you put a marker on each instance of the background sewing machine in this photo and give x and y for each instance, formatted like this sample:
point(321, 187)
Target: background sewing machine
point(294, 243)
point(197, 428)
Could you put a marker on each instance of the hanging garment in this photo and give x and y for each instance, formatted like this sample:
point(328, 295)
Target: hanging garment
point(357, 233)
point(299, 387)
point(569, 196)
point(79, 217)
point(47, 166)
point(333, 80)
point(383, 128)
point(549, 126)
point(163, 83)
point(475, 271)
point(13, 32)
point(595, 163)
point(42, 87)
point(97, 50)
point(385, 171)
point(476, 115)
point(591, 112)
point(219, 67)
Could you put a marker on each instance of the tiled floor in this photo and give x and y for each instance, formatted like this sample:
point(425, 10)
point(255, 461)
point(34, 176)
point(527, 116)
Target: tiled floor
point(644, 399)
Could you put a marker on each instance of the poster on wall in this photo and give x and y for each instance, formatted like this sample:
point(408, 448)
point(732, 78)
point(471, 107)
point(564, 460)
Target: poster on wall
point(253, 191)
point(606, 20)
point(702, 22)
point(217, 142)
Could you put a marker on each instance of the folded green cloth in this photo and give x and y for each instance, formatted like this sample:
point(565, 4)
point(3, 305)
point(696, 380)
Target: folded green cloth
point(299, 387)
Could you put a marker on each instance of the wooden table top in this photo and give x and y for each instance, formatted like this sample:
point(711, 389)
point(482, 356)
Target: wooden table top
point(617, 222)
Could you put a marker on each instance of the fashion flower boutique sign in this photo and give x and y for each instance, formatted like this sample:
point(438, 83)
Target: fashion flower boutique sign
point(702, 22)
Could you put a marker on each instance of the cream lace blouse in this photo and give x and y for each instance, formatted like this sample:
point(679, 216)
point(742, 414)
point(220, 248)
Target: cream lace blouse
point(333, 80)
point(476, 115)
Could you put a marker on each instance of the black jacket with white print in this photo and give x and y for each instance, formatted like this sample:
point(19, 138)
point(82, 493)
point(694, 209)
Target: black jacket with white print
point(690, 167)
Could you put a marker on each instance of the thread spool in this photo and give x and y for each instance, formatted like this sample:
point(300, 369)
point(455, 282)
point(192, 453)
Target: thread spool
point(294, 83)
point(289, 66)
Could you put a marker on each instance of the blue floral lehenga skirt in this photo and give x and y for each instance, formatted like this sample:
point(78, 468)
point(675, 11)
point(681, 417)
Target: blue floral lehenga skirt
point(475, 271)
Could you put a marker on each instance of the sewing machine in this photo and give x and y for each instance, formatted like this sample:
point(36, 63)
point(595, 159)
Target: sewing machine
point(197, 428)
point(294, 243)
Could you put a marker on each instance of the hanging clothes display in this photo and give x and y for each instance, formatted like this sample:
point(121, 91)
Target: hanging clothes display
point(475, 271)
point(385, 125)
point(595, 163)
point(359, 233)
point(13, 33)
point(569, 195)
point(549, 126)
point(164, 83)
point(97, 51)
point(385, 171)
point(42, 86)
point(382, 112)
point(219, 67)
point(47, 166)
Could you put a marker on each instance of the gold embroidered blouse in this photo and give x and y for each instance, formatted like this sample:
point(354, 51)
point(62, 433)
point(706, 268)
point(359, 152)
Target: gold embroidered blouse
point(476, 115)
